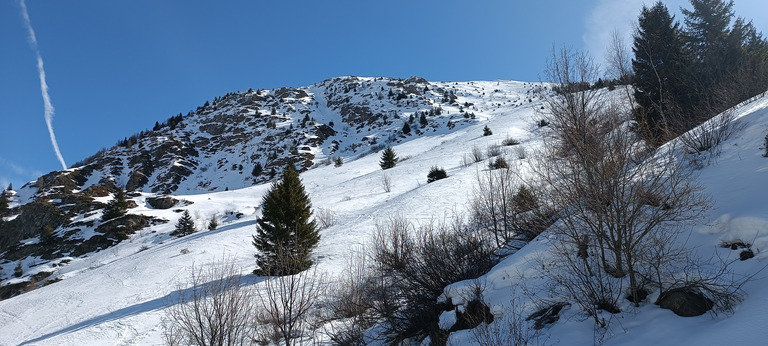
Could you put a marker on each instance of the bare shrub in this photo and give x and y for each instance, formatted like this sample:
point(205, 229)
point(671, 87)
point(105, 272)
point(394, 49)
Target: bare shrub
point(493, 150)
point(510, 142)
point(386, 183)
point(413, 267)
point(499, 207)
point(324, 218)
point(286, 303)
point(350, 304)
point(214, 310)
point(711, 134)
point(476, 154)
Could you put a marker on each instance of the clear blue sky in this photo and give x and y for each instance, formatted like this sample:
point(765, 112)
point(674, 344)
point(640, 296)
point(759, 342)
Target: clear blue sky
point(113, 68)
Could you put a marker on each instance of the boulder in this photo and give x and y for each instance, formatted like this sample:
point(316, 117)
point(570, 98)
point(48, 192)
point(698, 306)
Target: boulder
point(162, 202)
point(685, 302)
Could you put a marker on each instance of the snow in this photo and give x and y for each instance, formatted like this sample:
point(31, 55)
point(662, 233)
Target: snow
point(118, 296)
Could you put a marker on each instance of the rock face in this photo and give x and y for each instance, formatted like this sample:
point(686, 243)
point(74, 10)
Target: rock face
point(162, 202)
point(685, 302)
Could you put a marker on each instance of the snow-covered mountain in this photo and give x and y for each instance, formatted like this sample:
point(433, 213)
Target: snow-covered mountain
point(105, 285)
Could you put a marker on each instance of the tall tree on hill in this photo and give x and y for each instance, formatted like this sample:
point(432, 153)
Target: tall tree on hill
point(285, 232)
point(117, 207)
point(658, 62)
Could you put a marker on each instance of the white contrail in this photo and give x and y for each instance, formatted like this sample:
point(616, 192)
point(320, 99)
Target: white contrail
point(43, 84)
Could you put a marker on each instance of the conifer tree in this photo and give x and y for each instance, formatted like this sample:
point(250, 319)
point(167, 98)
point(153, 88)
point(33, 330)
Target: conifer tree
point(285, 233)
point(4, 202)
point(406, 128)
point(388, 158)
point(185, 225)
point(117, 207)
point(658, 64)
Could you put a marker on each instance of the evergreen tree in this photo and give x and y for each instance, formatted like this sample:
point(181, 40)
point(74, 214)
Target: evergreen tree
point(117, 207)
point(4, 202)
point(487, 131)
point(388, 158)
point(257, 169)
point(285, 232)
point(185, 225)
point(213, 223)
point(658, 64)
point(406, 128)
point(423, 120)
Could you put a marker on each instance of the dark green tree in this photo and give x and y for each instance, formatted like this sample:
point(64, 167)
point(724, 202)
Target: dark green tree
point(117, 207)
point(658, 64)
point(423, 120)
point(487, 131)
point(406, 128)
point(257, 169)
point(4, 202)
point(185, 225)
point(388, 158)
point(436, 173)
point(285, 233)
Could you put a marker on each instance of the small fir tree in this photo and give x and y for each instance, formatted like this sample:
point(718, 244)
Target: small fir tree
point(285, 233)
point(117, 207)
point(423, 120)
point(257, 169)
point(388, 158)
point(406, 128)
point(18, 271)
point(338, 161)
point(487, 131)
point(185, 225)
point(213, 223)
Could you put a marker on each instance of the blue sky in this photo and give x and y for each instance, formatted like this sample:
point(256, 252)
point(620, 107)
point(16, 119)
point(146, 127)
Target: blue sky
point(113, 68)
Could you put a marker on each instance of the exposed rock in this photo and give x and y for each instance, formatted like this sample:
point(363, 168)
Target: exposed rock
point(546, 315)
point(685, 302)
point(162, 202)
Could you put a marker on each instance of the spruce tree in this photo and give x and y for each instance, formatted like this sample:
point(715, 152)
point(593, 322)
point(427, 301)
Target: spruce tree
point(117, 207)
point(185, 225)
point(406, 128)
point(388, 158)
point(4, 202)
point(285, 232)
point(659, 64)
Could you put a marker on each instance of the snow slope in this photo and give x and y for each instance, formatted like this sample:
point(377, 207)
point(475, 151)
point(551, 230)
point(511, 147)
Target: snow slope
point(117, 296)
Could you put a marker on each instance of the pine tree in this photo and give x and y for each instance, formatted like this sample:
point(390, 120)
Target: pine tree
point(423, 120)
point(487, 131)
point(257, 169)
point(185, 225)
point(406, 128)
point(285, 232)
point(388, 158)
point(4, 202)
point(117, 207)
point(659, 63)
point(213, 223)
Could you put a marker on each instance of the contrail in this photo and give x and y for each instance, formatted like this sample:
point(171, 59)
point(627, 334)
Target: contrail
point(43, 84)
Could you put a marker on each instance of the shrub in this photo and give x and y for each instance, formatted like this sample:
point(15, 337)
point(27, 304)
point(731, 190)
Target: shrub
point(487, 131)
point(18, 271)
point(476, 154)
point(510, 142)
point(500, 162)
point(436, 173)
point(413, 268)
point(494, 150)
point(338, 161)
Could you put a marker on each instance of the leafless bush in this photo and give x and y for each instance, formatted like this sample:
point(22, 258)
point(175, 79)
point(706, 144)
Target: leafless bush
point(493, 150)
point(415, 266)
point(286, 303)
point(476, 154)
point(708, 136)
point(510, 329)
point(386, 183)
point(350, 302)
point(324, 218)
point(503, 205)
point(214, 310)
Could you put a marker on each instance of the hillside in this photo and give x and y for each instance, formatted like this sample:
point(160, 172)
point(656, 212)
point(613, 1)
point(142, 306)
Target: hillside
point(116, 293)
